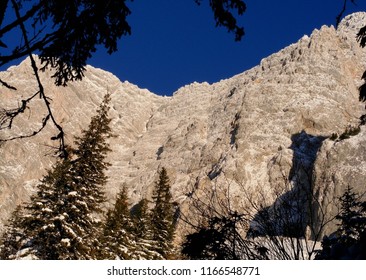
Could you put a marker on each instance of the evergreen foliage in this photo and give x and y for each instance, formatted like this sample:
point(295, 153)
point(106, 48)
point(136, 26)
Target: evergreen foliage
point(141, 233)
point(13, 236)
point(162, 216)
point(352, 217)
point(142, 230)
point(118, 241)
point(349, 241)
point(351, 131)
point(65, 34)
point(60, 222)
point(221, 240)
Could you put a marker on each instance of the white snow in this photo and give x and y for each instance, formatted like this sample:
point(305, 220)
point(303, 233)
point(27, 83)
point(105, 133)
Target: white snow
point(66, 242)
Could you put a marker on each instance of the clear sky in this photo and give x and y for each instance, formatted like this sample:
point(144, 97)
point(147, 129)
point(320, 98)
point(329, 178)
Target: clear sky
point(175, 42)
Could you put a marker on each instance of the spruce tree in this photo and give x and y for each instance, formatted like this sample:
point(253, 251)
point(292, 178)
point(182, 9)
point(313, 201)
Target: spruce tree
point(352, 217)
point(349, 241)
point(162, 215)
point(88, 174)
point(118, 241)
point(142, 230)
point(60, 222)
point(12, 237)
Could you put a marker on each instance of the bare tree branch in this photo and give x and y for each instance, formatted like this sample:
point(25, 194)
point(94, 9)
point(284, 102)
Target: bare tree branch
point(8, 116)
point(21, 19)
point(340, 15)
point(5, 84)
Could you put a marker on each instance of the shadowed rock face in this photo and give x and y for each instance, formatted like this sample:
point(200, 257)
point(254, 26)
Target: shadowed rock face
point(339, 164)
point(247, 131)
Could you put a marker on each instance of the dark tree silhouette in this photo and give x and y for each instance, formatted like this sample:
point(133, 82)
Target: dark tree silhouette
point(65, 34)
point(142, 229)
point(77, 27)
point(283, 223)
point(349, 241)
point(221, 240)
point(162, 216)
point(117, 237)
point(13, 235)
point(222, 10)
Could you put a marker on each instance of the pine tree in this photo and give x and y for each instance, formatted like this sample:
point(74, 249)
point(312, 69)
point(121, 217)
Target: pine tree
point(349, 241)
point(352, 217)
point(145, 245)
point(60, 222)
point(118, 240)
point(220, 238)
point(162, 216)
point(12, 237)
point(88, 174)
point(40, 220)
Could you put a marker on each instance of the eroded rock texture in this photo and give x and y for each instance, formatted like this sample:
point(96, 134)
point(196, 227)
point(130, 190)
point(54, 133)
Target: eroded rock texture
point(261, 132)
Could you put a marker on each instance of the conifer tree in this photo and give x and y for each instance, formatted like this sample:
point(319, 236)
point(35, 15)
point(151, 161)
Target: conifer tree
point(349, 241)
point(142, 230)
point(59, 222)
point(162, 215)
point(12, 236)
point(352, 217)
point(118, 241)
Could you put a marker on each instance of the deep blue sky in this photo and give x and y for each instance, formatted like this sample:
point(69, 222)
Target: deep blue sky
point(175, 42)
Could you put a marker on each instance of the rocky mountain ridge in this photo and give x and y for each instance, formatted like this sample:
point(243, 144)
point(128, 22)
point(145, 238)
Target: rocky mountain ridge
point(257, 132)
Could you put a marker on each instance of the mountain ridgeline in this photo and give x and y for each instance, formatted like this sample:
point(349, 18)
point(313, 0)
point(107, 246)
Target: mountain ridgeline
point(287, 126)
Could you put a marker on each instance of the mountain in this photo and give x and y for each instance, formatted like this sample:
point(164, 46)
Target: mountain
point(259, 134)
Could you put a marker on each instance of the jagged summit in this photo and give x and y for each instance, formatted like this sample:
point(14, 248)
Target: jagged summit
point(352, 23)
point(251, 131)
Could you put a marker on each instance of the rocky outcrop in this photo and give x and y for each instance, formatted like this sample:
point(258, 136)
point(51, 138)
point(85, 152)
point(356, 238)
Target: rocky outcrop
point(340, 163)
point(24, 162)
point(259, 131)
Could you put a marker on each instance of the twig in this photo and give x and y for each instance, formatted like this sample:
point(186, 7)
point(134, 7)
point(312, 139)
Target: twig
point(11, 115)
point(5, 84)
point(340, 15)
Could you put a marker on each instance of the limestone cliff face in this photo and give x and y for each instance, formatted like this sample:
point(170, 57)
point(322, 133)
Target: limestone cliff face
point(253, 131)
point(24, 162)
point(339, 164)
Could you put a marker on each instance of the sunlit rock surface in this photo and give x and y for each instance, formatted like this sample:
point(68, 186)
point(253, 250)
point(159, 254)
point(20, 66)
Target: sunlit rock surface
point(256, 132)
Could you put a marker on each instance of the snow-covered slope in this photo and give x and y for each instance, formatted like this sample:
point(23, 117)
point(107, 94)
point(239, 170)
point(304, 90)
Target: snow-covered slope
point(251, 131)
